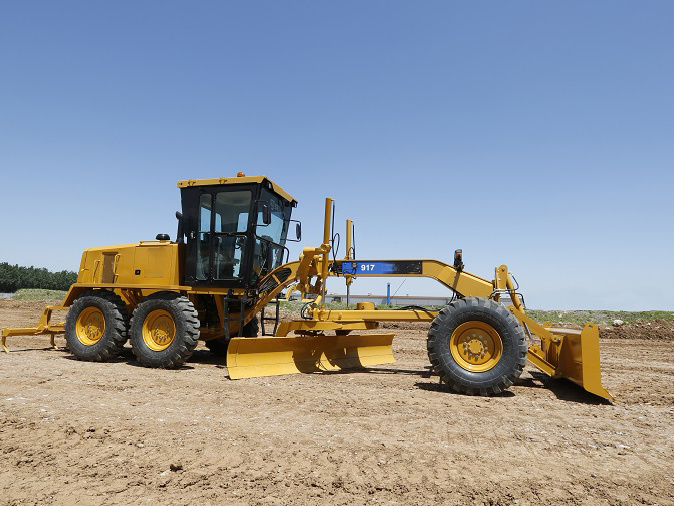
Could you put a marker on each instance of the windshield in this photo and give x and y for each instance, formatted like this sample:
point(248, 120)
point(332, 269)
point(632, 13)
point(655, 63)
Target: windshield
point(277, 230)
point(270, 239)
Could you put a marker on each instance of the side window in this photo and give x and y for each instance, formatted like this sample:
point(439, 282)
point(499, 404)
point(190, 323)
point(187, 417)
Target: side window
point(227, 256)
point(203, 247)
point(242, 226)
point(221, 236)
point(280, 214)
point(205, 213)
point(232, 209)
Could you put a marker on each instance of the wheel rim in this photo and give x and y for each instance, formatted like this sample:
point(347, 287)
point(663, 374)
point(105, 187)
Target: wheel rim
point(476, 346)
point(159, 330)
point(90, 326)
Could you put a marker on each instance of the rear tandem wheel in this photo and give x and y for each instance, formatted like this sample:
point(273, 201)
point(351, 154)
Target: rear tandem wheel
point(97, 326)
point(164, 330)
point(477, 346)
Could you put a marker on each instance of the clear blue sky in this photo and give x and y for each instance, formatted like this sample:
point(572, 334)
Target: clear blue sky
point(536, 134)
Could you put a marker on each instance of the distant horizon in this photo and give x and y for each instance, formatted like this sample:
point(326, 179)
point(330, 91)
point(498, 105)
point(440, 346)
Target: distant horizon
point(7, 295)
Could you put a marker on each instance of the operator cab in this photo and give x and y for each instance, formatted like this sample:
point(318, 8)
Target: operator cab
point(236, 230)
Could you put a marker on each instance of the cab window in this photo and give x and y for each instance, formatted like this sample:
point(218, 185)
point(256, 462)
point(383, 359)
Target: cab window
point(222, 234)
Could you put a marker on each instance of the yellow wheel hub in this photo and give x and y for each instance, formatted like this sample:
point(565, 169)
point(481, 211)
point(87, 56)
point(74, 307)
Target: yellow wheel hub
point(90, 326)
point(476, 346)
point(159, 330)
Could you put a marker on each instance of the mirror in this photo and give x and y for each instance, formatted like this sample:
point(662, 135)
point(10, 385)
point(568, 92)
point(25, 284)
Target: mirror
point(298, 231)
point(266, 213)
point(180, 233)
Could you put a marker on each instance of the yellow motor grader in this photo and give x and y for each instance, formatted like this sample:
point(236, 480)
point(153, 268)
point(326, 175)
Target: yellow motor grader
point(229, 261)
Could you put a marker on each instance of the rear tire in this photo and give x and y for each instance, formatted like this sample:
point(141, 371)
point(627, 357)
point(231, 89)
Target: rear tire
point(164, 330)
point(219, 346)
point(97, 326)
point(477, 346)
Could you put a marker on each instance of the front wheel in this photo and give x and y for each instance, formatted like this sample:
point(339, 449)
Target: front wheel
point(164, 330)
point(477, 346)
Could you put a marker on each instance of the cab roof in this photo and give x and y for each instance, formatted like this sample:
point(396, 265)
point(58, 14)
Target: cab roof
point(239, 180)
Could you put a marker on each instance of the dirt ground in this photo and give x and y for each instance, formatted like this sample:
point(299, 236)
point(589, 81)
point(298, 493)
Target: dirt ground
point(86, 433)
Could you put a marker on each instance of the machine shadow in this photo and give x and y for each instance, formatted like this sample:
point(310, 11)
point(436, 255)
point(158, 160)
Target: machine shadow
point(209, 358)
point(436, 386)
point(198, 357)
point(563, 389)
point(377, 370)
point(126, 356)
point(60, 349)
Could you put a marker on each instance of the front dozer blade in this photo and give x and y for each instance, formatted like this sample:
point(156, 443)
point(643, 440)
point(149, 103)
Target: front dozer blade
point(575, 358)
point(272, 356)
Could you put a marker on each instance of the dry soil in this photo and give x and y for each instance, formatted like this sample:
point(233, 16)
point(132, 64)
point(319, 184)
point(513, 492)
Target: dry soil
point(86, 433)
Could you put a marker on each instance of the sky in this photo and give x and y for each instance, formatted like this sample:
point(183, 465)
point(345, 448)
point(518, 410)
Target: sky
point(539, 135)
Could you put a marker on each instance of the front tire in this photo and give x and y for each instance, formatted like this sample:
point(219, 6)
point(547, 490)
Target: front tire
point(97, 326)
point(164, 330)
point(477, 346)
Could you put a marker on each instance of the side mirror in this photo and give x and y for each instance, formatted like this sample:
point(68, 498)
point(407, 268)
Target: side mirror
point(180, 233)
point(298, 231)
point(266, 213)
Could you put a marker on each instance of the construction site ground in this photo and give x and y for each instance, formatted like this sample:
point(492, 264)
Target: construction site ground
point(82, 433)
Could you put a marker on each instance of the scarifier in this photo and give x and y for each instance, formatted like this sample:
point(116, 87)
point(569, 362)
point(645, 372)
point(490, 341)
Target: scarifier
point(227, 265)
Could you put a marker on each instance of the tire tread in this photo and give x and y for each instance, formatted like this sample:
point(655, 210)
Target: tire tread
point(113, 343)
point(187, 341)
point(464, 386)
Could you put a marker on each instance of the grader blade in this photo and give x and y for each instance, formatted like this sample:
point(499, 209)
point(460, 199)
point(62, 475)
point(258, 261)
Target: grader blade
point(272, 356)
point(579, 359)
point(574, 357)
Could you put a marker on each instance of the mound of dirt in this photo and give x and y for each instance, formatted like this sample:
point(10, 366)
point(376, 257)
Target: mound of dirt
point(657, 330)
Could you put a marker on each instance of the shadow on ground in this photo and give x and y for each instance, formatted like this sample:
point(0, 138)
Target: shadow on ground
point(563, 389)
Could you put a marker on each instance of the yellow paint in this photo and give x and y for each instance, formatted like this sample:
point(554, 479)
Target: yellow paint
point(159, 330)
point(128, 265)
point(567, 353)
point(90, 326)
point(237, 180)
point(306, 326)
point(271, 356)
point(476, 346)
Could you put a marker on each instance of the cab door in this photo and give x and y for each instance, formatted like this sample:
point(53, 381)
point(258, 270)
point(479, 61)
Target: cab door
point(197, 211)
point(219, 227)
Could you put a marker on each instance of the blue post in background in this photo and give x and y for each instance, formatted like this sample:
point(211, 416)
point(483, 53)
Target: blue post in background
point(388, 294)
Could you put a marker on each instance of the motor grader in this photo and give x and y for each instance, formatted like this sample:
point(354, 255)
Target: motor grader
point(229, 261)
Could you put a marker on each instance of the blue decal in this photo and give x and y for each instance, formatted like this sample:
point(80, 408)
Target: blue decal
point(381, 268)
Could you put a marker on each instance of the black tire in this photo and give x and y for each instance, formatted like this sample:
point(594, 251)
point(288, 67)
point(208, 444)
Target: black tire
point(219, 346)
point(115, 317)
point(185, 330)
point(507, 368)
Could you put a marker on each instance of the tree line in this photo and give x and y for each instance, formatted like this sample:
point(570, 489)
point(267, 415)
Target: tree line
point(15, 277)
